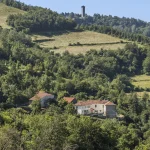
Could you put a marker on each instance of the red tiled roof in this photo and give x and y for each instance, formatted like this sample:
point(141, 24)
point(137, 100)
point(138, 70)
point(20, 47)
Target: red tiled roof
point(40, 95)
point(109, 103)
point(90, 102)
point(69, 99)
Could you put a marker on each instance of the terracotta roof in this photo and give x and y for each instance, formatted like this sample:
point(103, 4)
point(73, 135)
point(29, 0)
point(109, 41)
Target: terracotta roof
point(110, 103)
point(90, 102)
point(40, 95)
point(69, 99)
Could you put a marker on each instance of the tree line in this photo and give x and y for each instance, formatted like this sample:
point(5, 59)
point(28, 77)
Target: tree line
point(40, 20)
point(124, 24)
point(18, 4)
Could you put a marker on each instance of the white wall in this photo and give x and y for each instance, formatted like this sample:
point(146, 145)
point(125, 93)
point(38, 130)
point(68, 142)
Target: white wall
point(108, 110)
point(82, 109)
point(99, 108)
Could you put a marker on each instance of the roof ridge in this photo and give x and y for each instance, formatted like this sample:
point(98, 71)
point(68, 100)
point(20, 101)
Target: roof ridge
point(110, 103)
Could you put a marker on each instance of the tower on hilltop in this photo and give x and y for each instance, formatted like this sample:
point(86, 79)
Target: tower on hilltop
point(83, 11)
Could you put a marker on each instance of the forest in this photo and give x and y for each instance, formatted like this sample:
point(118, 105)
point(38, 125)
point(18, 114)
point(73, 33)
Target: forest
point(130, 25)
point(26, 68)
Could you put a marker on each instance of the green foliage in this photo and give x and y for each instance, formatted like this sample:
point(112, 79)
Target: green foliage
point(36, 106)
point(146, 65)
point(40, 20)
point(130, 25)
point(69, 109)
point(25, 68)
point(9, 139)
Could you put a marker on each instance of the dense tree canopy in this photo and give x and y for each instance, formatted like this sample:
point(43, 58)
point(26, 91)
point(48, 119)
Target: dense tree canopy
point(40, 19)
point(130, 25)
point(26, 68)
point(85, 76)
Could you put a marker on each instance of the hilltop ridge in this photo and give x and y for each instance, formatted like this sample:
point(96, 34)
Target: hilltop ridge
point(5, 11)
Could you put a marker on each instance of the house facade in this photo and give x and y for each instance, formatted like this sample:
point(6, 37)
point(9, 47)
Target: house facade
point(100, 107)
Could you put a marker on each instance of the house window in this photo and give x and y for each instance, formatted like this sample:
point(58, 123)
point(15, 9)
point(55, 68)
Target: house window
point(96, 111)
point(95, 106)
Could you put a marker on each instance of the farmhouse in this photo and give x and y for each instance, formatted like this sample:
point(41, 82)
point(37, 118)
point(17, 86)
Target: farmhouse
point(70, 100)
point(99, 107)
point(43, 97)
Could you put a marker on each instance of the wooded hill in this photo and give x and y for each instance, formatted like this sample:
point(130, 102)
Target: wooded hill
point(26, 68)
point(130, 25)
point(38, 19)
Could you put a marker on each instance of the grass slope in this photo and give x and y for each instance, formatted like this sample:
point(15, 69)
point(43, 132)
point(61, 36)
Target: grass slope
point(61, 41)
point(142, 81)
point(5, 11)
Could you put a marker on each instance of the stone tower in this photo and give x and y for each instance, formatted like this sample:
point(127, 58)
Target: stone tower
point(82, 11)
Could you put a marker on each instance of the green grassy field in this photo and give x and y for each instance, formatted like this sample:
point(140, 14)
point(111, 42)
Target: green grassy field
point(142, 81)
point(139, 94)
point(5, 11)
point(87, 40)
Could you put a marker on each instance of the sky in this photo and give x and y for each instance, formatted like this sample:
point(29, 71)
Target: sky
point(139, 9)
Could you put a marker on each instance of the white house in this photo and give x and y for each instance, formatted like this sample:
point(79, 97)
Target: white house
point(103, 107)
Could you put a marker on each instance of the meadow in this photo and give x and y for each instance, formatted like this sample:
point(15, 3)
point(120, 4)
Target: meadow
point(141, 81)
point(77, 42)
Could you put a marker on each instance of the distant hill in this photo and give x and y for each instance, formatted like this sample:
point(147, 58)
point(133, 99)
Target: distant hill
point(39, 20)
point(36, 18)
point(131, 25)
point(5, 11)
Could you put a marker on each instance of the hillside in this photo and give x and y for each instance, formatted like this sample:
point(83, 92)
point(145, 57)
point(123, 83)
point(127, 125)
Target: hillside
point(109, 74)
point(141, 81)
point(5, 11)
point(78, 42)
point(131, 25)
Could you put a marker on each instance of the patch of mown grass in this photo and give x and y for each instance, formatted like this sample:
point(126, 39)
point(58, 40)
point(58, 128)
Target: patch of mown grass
point(141, 81)
point(77, 42)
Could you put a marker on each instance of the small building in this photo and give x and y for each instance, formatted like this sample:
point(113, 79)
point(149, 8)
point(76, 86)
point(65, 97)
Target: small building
point(99, 107)
point(70, 100)
point(43, 97)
